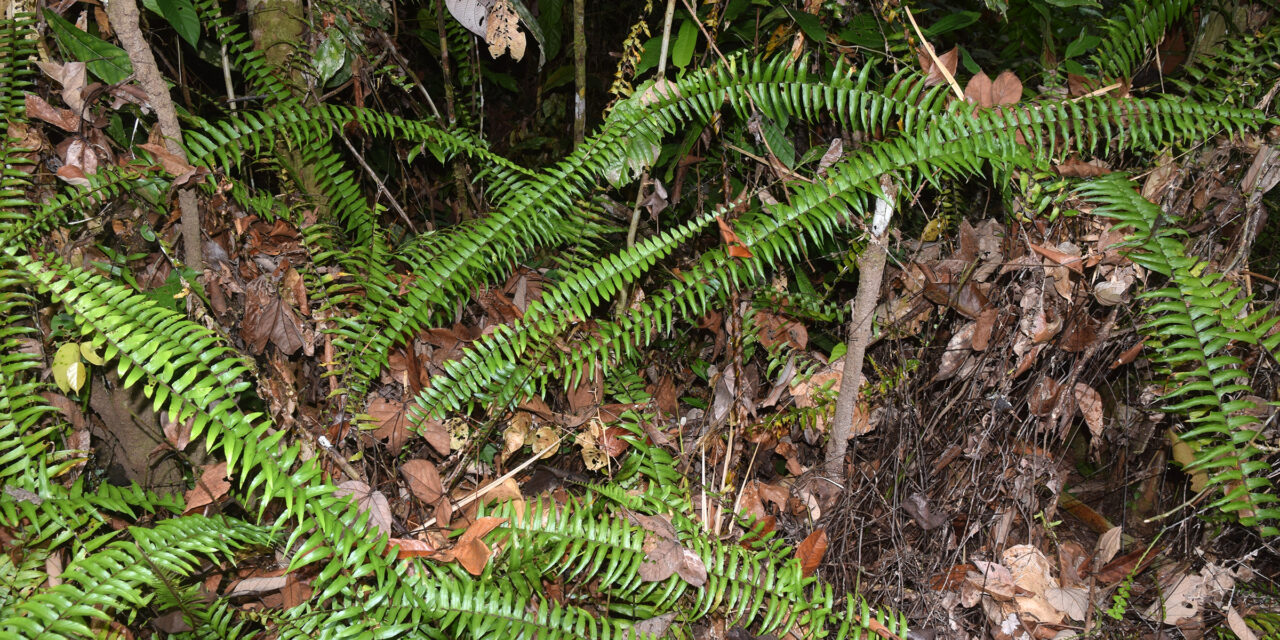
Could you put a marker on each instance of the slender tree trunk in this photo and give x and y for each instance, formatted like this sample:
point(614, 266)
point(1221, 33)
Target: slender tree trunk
point(580, 74)
point(124, 18)
point(870, 275)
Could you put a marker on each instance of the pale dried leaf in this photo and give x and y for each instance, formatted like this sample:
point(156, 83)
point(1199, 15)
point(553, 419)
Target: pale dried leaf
point(1108, 545)
point(1072, 601)
point(502, 31)
point(1239, 626)
point(368, 501)
point(1090, 404)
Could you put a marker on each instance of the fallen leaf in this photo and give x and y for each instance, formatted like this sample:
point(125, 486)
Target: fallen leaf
point(1239, 626)
point(423, 479)
point(269, 318)
point(811, 550)
point(1006, 89)
point(212, 485)
point(1129, 355)
point(64, 119)
point(691, 568)
point(171, 163)
point(1072, 601)
point(957, 351)
point(368, 501)
point(661, 562)
point(1108, 545)
point(473, 555)
point(412, 548)
point(917, 506)
point(978, 90)
point(933, 73)
point(393, 422)
point(1090, 404)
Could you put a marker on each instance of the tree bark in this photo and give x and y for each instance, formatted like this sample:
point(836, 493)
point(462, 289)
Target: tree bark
point(124, 18)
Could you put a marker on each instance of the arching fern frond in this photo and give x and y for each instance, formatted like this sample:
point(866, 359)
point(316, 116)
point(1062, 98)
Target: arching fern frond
point(1130, 39)
point(1194, 322)
point(497, 367)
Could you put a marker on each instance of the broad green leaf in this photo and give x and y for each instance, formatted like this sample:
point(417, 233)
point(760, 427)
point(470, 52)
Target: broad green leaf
point(810, 25)
point(181, 15)
point(682, 49)
point(103, 59)
point(951, 22)
point(331, 54)
point(1081, 45)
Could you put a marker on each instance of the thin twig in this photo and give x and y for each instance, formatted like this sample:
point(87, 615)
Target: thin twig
point(382, 188)
point(479, 493)
point(928, 48)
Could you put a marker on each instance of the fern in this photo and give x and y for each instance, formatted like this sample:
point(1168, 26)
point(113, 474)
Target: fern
point(1130, 39)
point(1195, 321)
point(497, 367)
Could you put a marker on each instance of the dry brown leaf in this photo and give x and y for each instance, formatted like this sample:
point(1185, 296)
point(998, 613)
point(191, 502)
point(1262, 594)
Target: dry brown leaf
point(735, 247)
point(933, 73)
point(172, 164)
point(514, 435)
point(982, 331)
point(423, 480)
point(473, 555)
point(957, 351)
point(691, 568)
point(267, 317)
point(776, 330)
point(1063, 258)
point(1129, 355)
point(1006, 89)
point(1075, 168)
point(1090, 404)
point(392, 418)
point(662, 561)
point(211, 486)
point(64, 119)
point(1044, 396)
point(412, 548)
point(1108, 545)
point(811, 550)
point(978, 90)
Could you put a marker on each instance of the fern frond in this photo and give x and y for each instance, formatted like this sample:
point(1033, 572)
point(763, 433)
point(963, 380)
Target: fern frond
point(1130, 39)
point(1194, 321)
point(117, 577)
point(498, 367)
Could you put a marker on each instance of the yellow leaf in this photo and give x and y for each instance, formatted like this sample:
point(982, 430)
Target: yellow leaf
point(87, 352)
point(545, 438)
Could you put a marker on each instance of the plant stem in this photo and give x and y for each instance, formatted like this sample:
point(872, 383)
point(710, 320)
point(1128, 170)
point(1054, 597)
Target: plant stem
point(579, 74)
point(870, 275)
point(124, 17)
